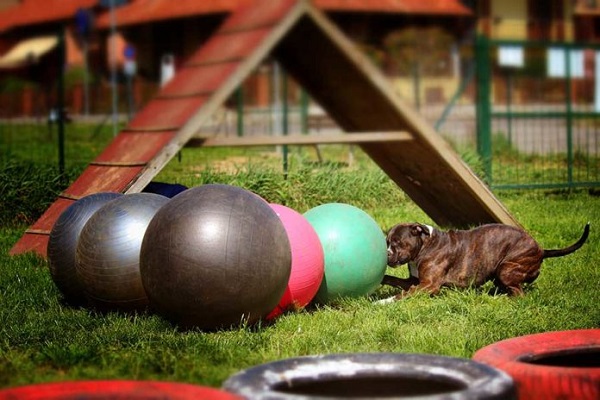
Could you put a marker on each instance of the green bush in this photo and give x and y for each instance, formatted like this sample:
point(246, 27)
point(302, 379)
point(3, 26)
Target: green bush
point(304, 188)
point(14, 84)
point(27, 189)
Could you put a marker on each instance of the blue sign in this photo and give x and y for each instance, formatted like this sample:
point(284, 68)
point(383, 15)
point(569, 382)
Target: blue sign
point(116, 3)
point(129, 52)
point(83, 21)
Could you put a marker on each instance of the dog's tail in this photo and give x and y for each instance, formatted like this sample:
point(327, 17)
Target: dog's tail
point(570, 249)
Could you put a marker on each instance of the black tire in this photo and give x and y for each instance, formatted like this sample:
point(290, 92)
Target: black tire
point(372, 376)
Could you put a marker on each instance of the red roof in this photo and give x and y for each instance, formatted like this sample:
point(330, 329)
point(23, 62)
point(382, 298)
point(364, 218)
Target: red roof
point(143, 11)
point(430, 7)
point(31, 12)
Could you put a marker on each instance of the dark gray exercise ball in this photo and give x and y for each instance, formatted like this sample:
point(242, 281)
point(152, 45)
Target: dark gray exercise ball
point(215, 256)
point(62, 244)
point(108, 252)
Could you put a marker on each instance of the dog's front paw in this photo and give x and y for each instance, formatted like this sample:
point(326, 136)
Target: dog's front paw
point(386, 301)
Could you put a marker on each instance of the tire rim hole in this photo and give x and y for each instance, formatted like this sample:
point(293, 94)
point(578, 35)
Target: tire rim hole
point(577, 358)
point(373, 387)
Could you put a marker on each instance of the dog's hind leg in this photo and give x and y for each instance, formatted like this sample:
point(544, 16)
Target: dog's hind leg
point(510, 276)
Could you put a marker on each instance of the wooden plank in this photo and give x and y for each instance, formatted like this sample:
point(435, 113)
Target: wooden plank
point(359, 98)
point(166, 114)
point(286, 14)
point(223, 48)
point(35, 239)
point(33, 243)
point(259, 14)
point(201, 80)
point(134, 147)
point(299, 139)
point(103, 178)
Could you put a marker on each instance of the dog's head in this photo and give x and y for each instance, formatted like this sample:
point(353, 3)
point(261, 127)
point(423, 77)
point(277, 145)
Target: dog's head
point(404, 241)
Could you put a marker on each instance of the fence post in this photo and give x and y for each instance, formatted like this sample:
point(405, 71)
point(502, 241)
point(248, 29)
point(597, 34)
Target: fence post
point(239, 106)
point(569, 118)
point(61, 112)
point(285, 121)
point(483, 106)
point(303, 111)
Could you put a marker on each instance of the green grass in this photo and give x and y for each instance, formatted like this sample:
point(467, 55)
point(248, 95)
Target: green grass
point(39, 142)
point(510, 167)
point(43, 340)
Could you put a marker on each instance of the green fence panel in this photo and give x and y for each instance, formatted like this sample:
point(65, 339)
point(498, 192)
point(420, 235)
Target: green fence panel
point(538, 113)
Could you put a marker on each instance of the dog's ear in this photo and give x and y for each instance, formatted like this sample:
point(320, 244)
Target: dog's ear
point(419, 230)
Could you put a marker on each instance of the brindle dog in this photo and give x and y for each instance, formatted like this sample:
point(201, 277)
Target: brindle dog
point(504, 254)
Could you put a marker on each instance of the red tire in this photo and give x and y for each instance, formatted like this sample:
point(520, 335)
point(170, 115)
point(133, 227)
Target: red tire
point(552, 365)
point(115, 390)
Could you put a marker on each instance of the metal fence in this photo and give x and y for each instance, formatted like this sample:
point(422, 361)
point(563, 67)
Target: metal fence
point(531, 111)
point(538, 113)
point(29, 125)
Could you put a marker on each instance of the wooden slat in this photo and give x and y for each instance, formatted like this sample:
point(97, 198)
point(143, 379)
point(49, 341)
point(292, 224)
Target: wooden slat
point(200, 80)
point(35, 239)
point(299, 139)
point(68, 196)
point(134, 147)
point(99, 178)
point(260, 14)
point(31, 243)
point(124, 164)
point(222, 48)
point(38, 231)
point(168, 114)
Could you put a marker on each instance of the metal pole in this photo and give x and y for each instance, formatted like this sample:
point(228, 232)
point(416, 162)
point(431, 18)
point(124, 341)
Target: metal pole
point(113, 68)
point(86, 89)
point(239, 100)
point(304, 111)
point(417, 84)
point(285, 120)
point(130, 106)
point(276, 103)
point(484, 143)
point(509, 85)
point(459, 92)
point(61, 100)
point(569, 119)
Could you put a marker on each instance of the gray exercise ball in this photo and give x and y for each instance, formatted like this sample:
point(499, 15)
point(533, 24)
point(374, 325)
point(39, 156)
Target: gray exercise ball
point(107, 256)
point(62, 244)
point(215, 256)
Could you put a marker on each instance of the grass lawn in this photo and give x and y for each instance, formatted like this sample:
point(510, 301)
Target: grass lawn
point(43, 340)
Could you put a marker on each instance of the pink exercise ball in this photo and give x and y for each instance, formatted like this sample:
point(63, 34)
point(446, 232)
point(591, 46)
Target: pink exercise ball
point(307, 261)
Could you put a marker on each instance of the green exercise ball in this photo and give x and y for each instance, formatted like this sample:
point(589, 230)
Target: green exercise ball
point(354, 247)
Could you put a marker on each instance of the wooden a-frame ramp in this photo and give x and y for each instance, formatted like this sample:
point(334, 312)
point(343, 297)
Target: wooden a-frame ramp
point(344, 82)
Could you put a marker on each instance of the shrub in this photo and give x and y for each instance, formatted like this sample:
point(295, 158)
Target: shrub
point(27, 189)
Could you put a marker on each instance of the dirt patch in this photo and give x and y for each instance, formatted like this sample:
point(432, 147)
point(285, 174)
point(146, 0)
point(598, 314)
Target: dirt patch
point(235, 164)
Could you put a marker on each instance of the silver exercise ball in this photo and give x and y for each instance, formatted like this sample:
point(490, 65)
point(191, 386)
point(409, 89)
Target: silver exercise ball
point(215, 256)
point(107, 257)
point(62, 244)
